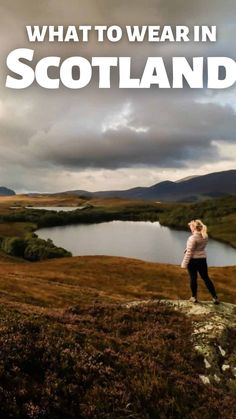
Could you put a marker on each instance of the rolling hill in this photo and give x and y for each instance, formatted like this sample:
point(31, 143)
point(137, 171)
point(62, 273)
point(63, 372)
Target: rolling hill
point(212, 185)
point(6, 191)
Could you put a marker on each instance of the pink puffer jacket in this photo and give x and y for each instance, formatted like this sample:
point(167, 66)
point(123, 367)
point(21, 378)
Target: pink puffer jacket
point(195, 248)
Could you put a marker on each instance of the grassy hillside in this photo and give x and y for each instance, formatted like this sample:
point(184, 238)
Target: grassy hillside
point(62, 282)
point(71, 349)
point(218, 214)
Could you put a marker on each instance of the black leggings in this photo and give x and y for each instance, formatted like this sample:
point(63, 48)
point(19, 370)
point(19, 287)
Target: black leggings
point(200, 265)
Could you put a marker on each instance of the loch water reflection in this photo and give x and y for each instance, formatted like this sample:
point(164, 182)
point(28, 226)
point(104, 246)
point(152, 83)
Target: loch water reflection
point(141, 240)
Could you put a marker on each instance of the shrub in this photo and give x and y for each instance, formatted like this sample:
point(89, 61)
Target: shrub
point(14, 246)
point(32, 248)
point(39, 249)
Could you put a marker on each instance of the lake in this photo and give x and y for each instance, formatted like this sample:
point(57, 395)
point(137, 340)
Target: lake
point(57, 209)
point(141, 240)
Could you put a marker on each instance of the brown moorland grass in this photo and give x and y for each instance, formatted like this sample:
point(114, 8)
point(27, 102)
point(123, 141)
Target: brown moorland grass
point(16, 229)
point(47, 199)
point(62, 282)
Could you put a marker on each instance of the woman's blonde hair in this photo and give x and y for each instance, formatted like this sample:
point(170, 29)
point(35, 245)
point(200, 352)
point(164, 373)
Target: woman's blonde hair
point(200, 227)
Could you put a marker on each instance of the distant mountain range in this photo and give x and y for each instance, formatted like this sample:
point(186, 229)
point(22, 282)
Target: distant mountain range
point(6, 191)
point(190, 189)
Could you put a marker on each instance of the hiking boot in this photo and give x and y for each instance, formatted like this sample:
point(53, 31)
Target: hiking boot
point(193, 300)
point(215, 300)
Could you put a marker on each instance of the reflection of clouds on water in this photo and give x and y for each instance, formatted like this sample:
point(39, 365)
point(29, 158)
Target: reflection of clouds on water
point(142, 240)
point(56, 209)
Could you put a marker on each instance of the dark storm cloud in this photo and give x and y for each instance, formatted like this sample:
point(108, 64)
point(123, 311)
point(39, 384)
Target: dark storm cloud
point(153, 132)
point(77, 130)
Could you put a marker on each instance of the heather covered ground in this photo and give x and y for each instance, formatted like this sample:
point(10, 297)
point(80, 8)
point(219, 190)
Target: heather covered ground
point(104, 361)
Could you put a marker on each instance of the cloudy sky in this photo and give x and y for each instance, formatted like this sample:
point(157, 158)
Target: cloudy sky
point(97, 139)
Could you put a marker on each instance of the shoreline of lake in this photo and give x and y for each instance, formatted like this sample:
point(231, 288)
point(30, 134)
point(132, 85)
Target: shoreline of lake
point(148, 238)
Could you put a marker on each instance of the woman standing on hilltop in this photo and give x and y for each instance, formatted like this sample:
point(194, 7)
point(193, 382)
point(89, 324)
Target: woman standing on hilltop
point(195, 259)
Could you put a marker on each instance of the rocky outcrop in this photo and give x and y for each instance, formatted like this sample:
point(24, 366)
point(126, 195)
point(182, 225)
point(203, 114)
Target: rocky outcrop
point(213, 336)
